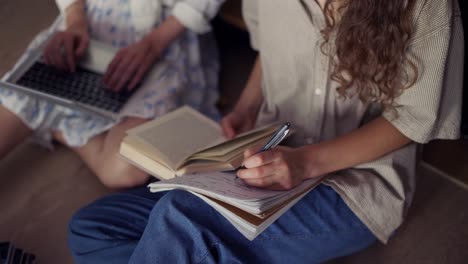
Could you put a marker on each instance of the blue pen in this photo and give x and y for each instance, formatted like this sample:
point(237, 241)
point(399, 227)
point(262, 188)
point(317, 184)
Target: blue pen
point(277, 137)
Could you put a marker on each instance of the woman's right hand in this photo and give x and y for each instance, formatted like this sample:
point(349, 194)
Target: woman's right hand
point(237, 122)
point(65, 48)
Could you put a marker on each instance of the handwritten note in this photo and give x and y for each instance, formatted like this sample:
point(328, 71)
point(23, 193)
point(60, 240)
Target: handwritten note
point(225, 186)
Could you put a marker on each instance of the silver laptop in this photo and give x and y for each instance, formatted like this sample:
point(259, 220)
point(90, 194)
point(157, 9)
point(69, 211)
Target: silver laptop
point(82, 89)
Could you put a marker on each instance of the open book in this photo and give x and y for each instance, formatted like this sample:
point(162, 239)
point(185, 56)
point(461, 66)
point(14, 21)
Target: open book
point(250, 210)
point(186, 142)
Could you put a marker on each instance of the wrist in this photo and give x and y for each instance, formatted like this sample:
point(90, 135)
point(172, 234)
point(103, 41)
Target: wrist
point(77, 27)
point(315, 160)
point(163, 35)
point(153, 44)
point(76, 19)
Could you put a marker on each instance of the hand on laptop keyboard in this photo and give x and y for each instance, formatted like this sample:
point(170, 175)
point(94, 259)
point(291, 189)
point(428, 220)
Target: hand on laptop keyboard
point(65, 48)
point(81, 86)
point(130, 65)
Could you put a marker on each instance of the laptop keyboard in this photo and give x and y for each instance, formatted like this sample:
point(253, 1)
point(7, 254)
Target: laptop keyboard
point(82, 86)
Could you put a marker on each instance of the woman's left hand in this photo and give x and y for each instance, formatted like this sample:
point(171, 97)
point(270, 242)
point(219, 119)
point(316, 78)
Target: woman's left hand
point(281, 168)
point(130, 65)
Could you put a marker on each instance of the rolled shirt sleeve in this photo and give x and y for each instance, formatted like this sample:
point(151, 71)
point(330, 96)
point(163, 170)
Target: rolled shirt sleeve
point(193, 14)
point(196, 14)
point(250, 15)
point(431, 108)
point(63, 4)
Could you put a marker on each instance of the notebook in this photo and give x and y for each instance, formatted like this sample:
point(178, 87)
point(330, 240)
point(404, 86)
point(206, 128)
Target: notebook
point(83, 89)
point(250, 210)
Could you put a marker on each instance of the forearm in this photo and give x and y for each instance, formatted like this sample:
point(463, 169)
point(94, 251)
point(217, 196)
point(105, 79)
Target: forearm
point(75, 17)
point(163, 35)
point(251, 98)
point(373, 140)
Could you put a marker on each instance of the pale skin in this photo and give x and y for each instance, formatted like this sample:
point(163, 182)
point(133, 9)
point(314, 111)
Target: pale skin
point(282, 168)
point(126, 69)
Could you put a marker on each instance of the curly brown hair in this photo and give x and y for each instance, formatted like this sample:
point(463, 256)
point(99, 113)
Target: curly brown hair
point(372, 37)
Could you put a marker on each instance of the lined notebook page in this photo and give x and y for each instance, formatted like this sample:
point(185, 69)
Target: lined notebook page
point(225, 187)
point(220, 183)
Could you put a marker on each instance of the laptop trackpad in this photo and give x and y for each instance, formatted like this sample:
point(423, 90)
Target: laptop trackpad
point(98, 56)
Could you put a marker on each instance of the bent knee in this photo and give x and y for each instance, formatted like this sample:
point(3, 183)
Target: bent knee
point(177, 196)
point(82, 230)
point(182, 201)
point(115, 173)
point(123, 179)
point(97, 226)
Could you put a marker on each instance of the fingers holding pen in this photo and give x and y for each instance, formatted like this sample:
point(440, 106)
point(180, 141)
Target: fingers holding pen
point(259, 168)
point(65, 48)
point(254, 159)
point(277, 169)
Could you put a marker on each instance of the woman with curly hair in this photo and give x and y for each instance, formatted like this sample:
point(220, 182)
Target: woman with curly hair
point(363, 82)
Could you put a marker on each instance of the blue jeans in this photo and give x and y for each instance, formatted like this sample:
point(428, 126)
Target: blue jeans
point(177, 227)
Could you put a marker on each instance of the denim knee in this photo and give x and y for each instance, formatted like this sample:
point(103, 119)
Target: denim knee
point(109, 229)
point(180, 230)
point(79, 231)
point(174, 204)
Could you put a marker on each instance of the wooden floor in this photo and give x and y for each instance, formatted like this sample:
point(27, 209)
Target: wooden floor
point(40, 189)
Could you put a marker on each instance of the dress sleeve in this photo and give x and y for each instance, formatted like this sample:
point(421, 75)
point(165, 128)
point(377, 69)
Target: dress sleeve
point(431, 108)
point(63, 4)
point(250, 15)
point(196, 14)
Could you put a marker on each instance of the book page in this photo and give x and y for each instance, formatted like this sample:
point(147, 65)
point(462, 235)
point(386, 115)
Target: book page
point(239, 140)
point(179, 134)
point(143, 162)
point(206, 166)
point(233, 154)
point(257, 138)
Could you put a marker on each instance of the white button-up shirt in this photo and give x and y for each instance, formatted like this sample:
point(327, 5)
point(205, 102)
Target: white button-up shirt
point(297, 88)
